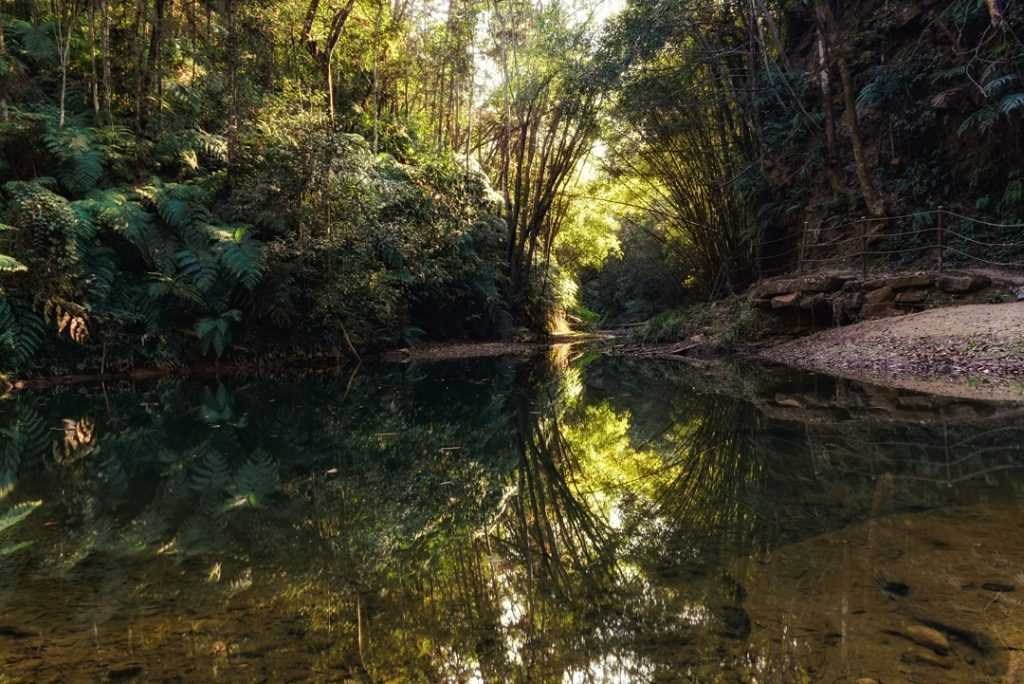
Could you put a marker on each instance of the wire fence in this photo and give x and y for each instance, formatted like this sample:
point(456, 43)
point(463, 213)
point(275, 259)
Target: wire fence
point(953, 239)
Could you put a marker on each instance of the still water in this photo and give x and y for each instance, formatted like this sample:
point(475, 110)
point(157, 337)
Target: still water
point(558, 519)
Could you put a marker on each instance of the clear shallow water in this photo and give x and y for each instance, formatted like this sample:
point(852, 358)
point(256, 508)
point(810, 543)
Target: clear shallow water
point(536, 521)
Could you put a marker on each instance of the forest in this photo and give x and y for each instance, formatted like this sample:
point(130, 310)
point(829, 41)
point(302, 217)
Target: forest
point(190, 180)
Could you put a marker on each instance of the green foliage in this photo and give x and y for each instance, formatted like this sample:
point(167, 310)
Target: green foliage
point(79, 160)
point(214, 332)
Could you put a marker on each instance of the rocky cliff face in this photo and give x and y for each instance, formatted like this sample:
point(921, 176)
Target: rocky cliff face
point(921, 101)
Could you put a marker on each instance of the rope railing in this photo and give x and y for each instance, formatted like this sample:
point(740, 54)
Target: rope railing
point(944, 240)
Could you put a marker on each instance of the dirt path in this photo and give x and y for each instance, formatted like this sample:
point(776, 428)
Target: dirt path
point(969, 351)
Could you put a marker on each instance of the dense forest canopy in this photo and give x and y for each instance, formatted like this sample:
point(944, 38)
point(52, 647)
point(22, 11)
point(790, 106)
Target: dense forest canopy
point(202, 178)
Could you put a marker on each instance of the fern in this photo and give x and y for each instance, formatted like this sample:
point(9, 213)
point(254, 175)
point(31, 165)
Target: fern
point(210, 471)
point(21, 332)
point(201, 267)
point(12, 517)
point(982, 120)
point(116, 212)
point(256, 481)
point(11, 265)
point(243, 257)
point(215, 332)
point(80, 160)
point(997, 84)
point(1011, 103)
point(34, 41)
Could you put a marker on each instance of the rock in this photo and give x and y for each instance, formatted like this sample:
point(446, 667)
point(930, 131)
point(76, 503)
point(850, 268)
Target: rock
point(809, 283)
point(928, 637)
point(1020, 294)
point(882, 294)
point(912, 297)
point(785, 301)
point(1000, 587)
point(902, 282)
point(812, 301)
point(879, 310)
point(866, 680)
point(893, 588)
point(925, 658)
point(962, 283)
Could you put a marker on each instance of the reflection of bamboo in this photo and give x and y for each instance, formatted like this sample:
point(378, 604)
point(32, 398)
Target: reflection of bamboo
point(554, 528)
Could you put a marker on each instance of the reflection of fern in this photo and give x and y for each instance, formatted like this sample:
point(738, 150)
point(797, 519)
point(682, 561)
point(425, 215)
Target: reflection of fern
point(12, 517)
point(210, 472)
point(257, 480)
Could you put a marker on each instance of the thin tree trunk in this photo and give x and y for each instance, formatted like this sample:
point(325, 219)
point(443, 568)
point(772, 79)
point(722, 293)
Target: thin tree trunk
point(376, 76)
point(871, 197)
point(825, 81)
point(94, 85)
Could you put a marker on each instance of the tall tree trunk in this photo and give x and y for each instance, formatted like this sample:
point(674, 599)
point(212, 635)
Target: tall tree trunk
point(232, 53)
point(94, 79)
point(105, 56)
point(4, 113)
point(139, 53)
point(871, 197)
point(152, 66)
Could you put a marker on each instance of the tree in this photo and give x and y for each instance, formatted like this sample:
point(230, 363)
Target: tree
point(322, 51)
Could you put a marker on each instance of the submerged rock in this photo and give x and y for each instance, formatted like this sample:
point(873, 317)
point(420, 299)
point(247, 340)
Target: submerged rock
point(928, 637)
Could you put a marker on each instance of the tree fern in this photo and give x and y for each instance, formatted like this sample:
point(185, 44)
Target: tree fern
point(34, 41)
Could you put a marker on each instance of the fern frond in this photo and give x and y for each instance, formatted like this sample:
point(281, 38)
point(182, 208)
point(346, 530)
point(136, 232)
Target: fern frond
point(997, 84)
point(244, 258)
point(1011, 103)
point(209, 472)
point(16, 514)
point(22, 332)
point(201, 267)
point(257, 480)
point(11, 265)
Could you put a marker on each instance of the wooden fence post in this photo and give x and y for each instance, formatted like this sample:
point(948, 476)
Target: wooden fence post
point(863, 247)
point(942, 247)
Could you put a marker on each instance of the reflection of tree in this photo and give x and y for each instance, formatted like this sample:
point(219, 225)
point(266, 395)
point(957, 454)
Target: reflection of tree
point(437, 523)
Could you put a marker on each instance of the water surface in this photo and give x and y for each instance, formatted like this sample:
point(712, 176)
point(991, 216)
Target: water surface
point(545, 520)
